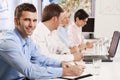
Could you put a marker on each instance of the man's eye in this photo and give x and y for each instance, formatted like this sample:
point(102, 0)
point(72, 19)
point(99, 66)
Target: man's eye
point(35, 20)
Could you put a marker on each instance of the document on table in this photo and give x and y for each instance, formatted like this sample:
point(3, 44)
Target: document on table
point(87, 73)
point(77, 77)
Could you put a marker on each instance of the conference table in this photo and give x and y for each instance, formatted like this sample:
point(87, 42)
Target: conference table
point(107, 70)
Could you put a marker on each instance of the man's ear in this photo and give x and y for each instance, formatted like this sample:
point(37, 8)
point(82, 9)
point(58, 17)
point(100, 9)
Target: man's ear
point(55, 18)
point(16, 21)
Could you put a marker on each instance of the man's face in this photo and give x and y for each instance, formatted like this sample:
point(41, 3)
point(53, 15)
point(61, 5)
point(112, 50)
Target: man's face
point(56, 22)
point(27, 23)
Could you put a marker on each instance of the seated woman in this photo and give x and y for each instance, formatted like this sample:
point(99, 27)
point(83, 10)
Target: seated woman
point(75, 33)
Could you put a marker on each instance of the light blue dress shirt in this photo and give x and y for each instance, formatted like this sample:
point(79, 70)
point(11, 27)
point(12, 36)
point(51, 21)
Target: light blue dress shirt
point(20, 58)
point(63, 35)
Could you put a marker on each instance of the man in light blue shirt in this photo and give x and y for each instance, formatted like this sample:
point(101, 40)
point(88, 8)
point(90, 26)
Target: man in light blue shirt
point(19, 57)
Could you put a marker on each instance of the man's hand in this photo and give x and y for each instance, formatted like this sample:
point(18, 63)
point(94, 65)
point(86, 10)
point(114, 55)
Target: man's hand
point(65, 64)
point(78, 56)
point(73, 70)
point(74, 49)
point(82, 46)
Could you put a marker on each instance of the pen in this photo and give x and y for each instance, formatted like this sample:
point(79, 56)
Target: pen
point(75, 63)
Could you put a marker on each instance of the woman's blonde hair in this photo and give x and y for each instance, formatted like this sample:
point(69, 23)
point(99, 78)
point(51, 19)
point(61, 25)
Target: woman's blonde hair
point(65, 14)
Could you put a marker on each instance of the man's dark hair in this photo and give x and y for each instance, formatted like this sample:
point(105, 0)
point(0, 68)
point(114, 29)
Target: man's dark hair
point(50, 11)
point(81, 14)
point(24, 7)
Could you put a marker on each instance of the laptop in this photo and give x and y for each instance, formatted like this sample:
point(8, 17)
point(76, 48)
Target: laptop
point(106, 57)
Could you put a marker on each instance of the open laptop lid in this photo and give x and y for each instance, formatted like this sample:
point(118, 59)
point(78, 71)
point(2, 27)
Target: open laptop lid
point(114, 44)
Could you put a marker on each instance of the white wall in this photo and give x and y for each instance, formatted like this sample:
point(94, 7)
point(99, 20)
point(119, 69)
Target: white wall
point(107, 17)
point(6, 16)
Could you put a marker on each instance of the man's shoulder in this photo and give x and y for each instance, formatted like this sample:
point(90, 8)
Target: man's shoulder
point(9, 35)
point(8, 39)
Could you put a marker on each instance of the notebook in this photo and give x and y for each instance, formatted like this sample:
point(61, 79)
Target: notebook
point(88, 72)
point(76, 77)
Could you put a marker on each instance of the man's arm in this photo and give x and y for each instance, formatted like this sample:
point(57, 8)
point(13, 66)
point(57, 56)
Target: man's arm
point(72, 70)
point(14, 56)
point(38, 58)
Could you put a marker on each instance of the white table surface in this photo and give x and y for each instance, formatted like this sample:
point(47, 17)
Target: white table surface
point(108, 70)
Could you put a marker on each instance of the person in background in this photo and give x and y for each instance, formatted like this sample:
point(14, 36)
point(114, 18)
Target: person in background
point(19, 57)
point(75, 33)
point(46, 38)
point(63, 30)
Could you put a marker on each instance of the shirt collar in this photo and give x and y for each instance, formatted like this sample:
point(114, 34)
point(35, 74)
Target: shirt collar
point(47, 31)
point(23, 41)
point(76, 27)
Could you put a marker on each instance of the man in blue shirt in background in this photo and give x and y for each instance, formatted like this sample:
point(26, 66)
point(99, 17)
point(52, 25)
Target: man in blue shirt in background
point(19, 57)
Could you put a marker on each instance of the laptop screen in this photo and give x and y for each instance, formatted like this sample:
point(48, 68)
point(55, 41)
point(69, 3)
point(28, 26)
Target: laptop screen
point(114, 43)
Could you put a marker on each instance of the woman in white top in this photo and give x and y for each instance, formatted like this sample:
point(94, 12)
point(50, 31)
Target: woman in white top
point(75, 33)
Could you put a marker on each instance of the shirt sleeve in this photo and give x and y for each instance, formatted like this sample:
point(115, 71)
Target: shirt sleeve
point(40, 58)
point(61, 46)
point(12, 53)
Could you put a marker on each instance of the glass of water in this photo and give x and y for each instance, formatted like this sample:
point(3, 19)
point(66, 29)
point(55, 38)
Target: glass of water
point(96, 65)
